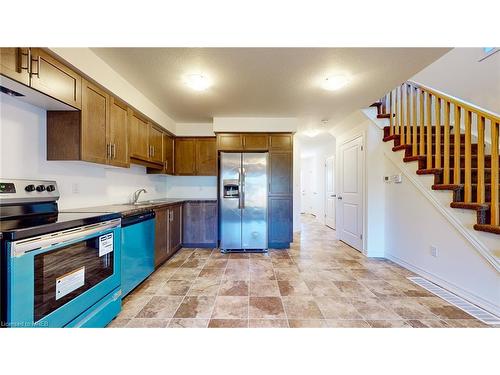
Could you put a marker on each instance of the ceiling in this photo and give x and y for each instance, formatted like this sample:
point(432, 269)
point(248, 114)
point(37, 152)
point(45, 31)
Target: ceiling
point(266, 82)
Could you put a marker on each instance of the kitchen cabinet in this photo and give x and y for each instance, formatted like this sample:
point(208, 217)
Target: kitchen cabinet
point(255, 142)
point(118, 134)
point(185, 156)
point(195, 156)
point(36, 68)
point(156, 144)
point(280, 173)
point(55, 79)
point(229, 142)
point(200, 224)
point(14, 63)
point(162, 248)
point(175, 228)
point(168, 150)
point(97, 133)
point(280, 222)
point(138, 136)
point(281, 142)
point(206, 157)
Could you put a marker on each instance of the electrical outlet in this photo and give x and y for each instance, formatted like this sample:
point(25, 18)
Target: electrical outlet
point(75, 188)
point(434, 251)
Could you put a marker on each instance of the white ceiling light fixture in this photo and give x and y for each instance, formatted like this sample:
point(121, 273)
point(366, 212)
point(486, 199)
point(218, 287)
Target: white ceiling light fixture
point(197, 82)
point(335, 82)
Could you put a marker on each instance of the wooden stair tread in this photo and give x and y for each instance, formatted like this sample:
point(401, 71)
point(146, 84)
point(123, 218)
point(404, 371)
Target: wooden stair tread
point(487, 228)
point(471, 206)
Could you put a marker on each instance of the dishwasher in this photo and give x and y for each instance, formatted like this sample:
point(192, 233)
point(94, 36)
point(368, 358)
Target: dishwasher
point(138, 241)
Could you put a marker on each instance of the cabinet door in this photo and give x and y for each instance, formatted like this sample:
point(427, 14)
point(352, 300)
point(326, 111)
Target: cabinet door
point(175, 228)
point(255, 142)
point(168, 153)
point(185, 156)
point(95, 120)
point(280, 225)
point(55, 79)
point(281, 142)
point(229, 142)
point(138, 136)
point(161, 236)
point(117, 131)
point(280, 173)
point(156, 144)
point(211, 223)
point(14, 64)
point(206, 157)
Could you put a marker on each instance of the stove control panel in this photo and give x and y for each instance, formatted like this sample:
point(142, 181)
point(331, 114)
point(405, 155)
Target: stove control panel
point(28, 191)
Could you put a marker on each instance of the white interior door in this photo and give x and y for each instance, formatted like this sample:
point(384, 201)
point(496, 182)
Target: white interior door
point(330, 197)
point(350, 194)
point(306, 182)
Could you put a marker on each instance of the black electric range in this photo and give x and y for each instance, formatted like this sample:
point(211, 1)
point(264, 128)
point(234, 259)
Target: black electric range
point(28, 209)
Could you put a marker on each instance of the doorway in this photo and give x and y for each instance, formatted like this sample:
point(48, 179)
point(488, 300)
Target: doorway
point(350, 193)
point(306, 182)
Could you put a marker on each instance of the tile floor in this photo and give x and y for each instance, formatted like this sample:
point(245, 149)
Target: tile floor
point(318, 282)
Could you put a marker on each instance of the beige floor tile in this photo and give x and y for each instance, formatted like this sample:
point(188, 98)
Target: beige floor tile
point(428, 323)
point(204, 286)
point(293, 288)
point(264, 288)
point(407, 308)
point(466, 323)
point(160, 307)
point(353, 289)
point(266, 308)
point(228, 307)
point(332, 323)
point(147, 323)
point(228, 323)
point(188, 323)
point(233, 288)
point(310, 323)
point(214, 273)
point(337, 308)
point(303, 308)
point(323, 288)
point(195, 307)
point(174, 288)
point(133, 304)
point(373, 309)
point(268, 323)
point(382, 288)
point(388, 324)
point(118, 323)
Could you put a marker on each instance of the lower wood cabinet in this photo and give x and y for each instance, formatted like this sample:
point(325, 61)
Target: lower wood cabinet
point(200, 224)
point(168, 234)
point(280, 224)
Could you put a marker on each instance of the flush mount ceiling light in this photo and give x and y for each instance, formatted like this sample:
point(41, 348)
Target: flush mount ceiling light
point(335, 82)
point(197, 82)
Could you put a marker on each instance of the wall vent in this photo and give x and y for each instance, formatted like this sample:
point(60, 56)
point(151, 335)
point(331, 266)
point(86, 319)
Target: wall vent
point(477, 312)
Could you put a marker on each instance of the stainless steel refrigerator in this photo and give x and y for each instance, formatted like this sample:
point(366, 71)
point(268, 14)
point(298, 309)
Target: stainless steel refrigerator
point(243, 201)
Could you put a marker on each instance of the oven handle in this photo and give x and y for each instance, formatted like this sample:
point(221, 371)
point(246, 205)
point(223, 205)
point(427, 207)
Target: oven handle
point(21, 247)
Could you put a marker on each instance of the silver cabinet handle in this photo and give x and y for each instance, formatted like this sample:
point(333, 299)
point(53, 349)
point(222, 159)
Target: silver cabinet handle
point(19, 64)
point(38, 60)
point(107, 151)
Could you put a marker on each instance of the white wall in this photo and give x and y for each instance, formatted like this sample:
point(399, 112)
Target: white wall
point(413, 224)
point(191, 187)
point(205, 129)
point(23, 151)
point(255, 124)
point(374, 221)
point(86, 61)
point(296, 183)
point(459, 73)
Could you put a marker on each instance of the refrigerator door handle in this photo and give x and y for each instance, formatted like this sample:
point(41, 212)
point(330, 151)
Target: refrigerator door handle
point(242, 193)
point(240, 185)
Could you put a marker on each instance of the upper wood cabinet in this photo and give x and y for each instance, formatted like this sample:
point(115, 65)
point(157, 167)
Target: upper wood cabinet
point(97, 133)
point(229, 142)
point(138, 136)
point(195, 156)
point(55, 79)
point(95, 124)
point(156, 144)
point(206, 157)
point(36, 68)
point(118, 134)
point(281, 142)
point(14, 63)
point(255, 141)
point(185, 156)
point(168, 153)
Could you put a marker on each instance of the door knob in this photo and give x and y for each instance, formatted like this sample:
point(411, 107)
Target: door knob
point(333, 195)
point(339, 198)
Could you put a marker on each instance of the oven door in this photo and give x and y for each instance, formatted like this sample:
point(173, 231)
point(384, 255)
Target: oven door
point(54, 278)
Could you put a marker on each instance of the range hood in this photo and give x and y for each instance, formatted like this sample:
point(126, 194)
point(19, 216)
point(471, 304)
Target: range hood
point(27, 94)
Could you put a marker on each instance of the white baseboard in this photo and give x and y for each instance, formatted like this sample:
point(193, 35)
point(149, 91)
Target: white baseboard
point(471, 297)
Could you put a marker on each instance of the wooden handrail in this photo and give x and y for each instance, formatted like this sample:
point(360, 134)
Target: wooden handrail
point(421, 117)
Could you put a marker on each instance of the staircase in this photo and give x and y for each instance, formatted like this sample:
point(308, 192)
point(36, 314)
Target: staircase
point(456, 142)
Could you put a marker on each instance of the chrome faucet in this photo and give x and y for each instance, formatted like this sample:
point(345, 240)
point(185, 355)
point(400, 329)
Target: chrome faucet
point(136, 195)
